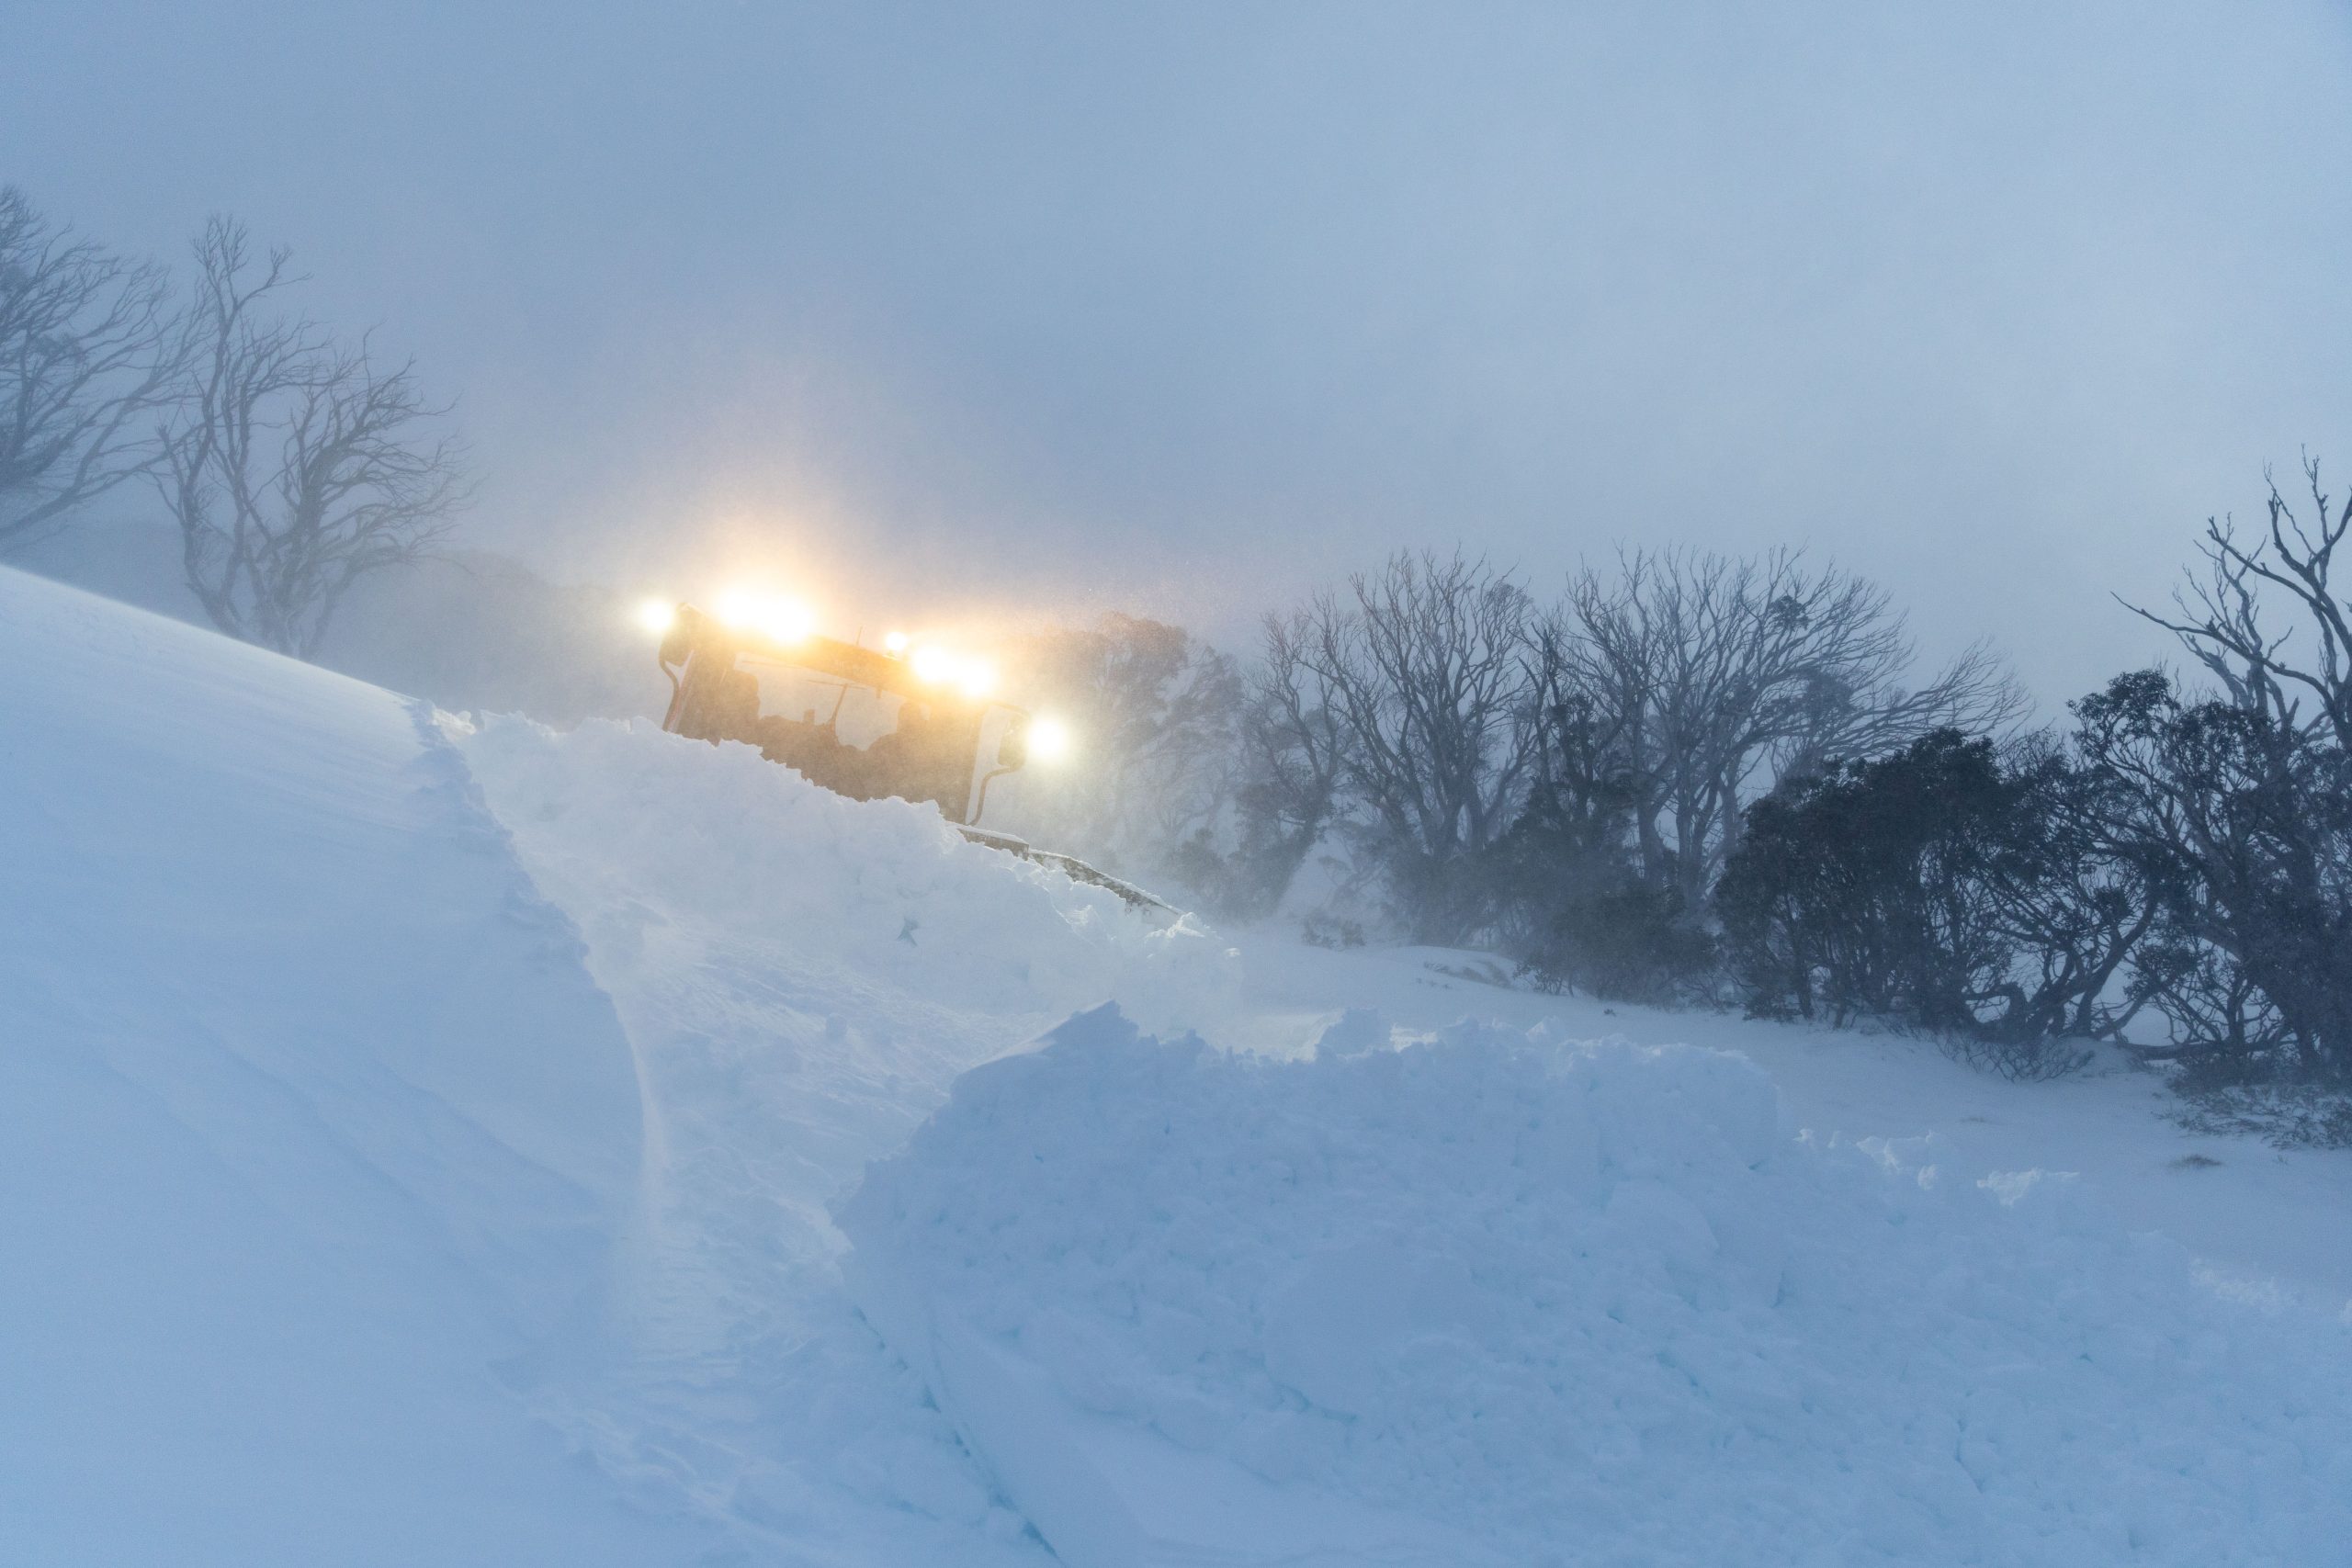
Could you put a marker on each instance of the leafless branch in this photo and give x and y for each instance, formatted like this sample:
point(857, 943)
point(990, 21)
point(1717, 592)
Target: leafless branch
point(1717, 673)
point(295, 466)
point(86, 358)
point(1420, 668)
point(2220, 615)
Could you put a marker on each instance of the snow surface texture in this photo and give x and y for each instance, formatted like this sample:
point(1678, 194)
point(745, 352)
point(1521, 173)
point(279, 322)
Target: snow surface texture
point(803, 977)
point(1576, 1302)
point(315, 1138)
point(350, 1200)
point(417, 1140)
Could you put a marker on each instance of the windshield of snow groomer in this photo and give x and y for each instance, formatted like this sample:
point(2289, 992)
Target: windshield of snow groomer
point(859, 714)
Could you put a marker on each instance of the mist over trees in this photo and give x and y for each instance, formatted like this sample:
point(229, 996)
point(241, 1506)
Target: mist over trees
point(1419, 670)
point(1672, 776)
point(1158, 709)
point(1690, 777)
point(1476, 764)
point(89, 356)
point(292, 464)
point(1433, 723)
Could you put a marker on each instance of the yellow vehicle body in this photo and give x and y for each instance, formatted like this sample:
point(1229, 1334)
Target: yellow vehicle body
point(932, 753)
point(935, 750)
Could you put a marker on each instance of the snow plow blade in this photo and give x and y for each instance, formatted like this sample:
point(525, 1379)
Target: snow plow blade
point(1156, 910)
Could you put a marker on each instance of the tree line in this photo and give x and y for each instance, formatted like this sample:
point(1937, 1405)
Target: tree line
point(294, 462)
point(1692, 777)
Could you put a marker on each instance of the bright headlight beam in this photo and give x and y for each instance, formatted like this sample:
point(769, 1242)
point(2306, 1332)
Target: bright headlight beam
point(895, 643)
point(657, 616)
point(773, 615)
point(788, 620)
point(1050, 738)
point(933, 663)
point(737, 607)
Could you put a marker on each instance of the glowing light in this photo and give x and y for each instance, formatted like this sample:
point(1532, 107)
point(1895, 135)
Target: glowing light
point(737, 607)
point(657, 616)
point(895, 644)
point(936, 665)
point(1050, 738)
point(773, 615)
point(788, 620)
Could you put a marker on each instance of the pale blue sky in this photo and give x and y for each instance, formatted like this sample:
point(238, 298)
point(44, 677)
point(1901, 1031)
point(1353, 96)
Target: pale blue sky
point(1185, 308)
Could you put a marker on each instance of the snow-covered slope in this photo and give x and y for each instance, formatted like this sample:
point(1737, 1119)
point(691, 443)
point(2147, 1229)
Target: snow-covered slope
point(312, 1127)
point(804, 977)
point(1506, 1297)
point(355, 1208)
point(420, 1138)
point(2269, 1220)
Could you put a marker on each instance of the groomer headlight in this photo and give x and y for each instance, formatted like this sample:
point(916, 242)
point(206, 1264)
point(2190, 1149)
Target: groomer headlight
point(1049, 739)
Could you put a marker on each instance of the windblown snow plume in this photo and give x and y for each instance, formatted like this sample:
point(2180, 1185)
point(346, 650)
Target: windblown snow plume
point(881, 894)
point(1533, 1301)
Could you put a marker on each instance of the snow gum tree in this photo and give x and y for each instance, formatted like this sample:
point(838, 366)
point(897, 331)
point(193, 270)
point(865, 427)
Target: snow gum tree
point(1419, 672)
point(1947, 888)
point(1718, 673)
point(2238, 804)
point(294, 465)
point(87, 363)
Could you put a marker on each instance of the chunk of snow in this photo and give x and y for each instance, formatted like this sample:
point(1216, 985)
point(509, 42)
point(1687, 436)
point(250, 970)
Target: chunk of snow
point(1353, 1033)
point(1562, 1301)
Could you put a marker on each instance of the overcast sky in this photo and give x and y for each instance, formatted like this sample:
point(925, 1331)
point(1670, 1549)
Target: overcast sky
point(1186, 310)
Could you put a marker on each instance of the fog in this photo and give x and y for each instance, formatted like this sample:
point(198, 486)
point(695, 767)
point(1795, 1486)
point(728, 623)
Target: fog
point(1025, 312)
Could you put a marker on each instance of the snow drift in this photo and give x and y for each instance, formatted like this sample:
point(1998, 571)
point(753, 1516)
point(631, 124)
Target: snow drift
point(395, 1110)
point(419, 1139)
point(1506, 1297)
point(803, 977)
point(315, 1137)
point(880, 896)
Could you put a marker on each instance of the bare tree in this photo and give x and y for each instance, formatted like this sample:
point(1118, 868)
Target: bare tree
point(2242, 827)
point(1422, 669)
point(1292, 768)
point(2242, 805)
point(85, 361)
point(1719, 674)
point(2220, 615)
point(296, 466)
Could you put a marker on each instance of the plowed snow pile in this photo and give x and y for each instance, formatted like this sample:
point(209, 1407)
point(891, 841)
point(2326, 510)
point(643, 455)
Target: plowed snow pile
point(802, 978)
point(1566, 1303)
point(881, 896)
point(393, 1113)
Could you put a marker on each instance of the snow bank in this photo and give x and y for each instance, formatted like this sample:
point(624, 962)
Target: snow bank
point(315, 1137)
point(1562, 1301)
point(881, 890)
point(803, 977)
